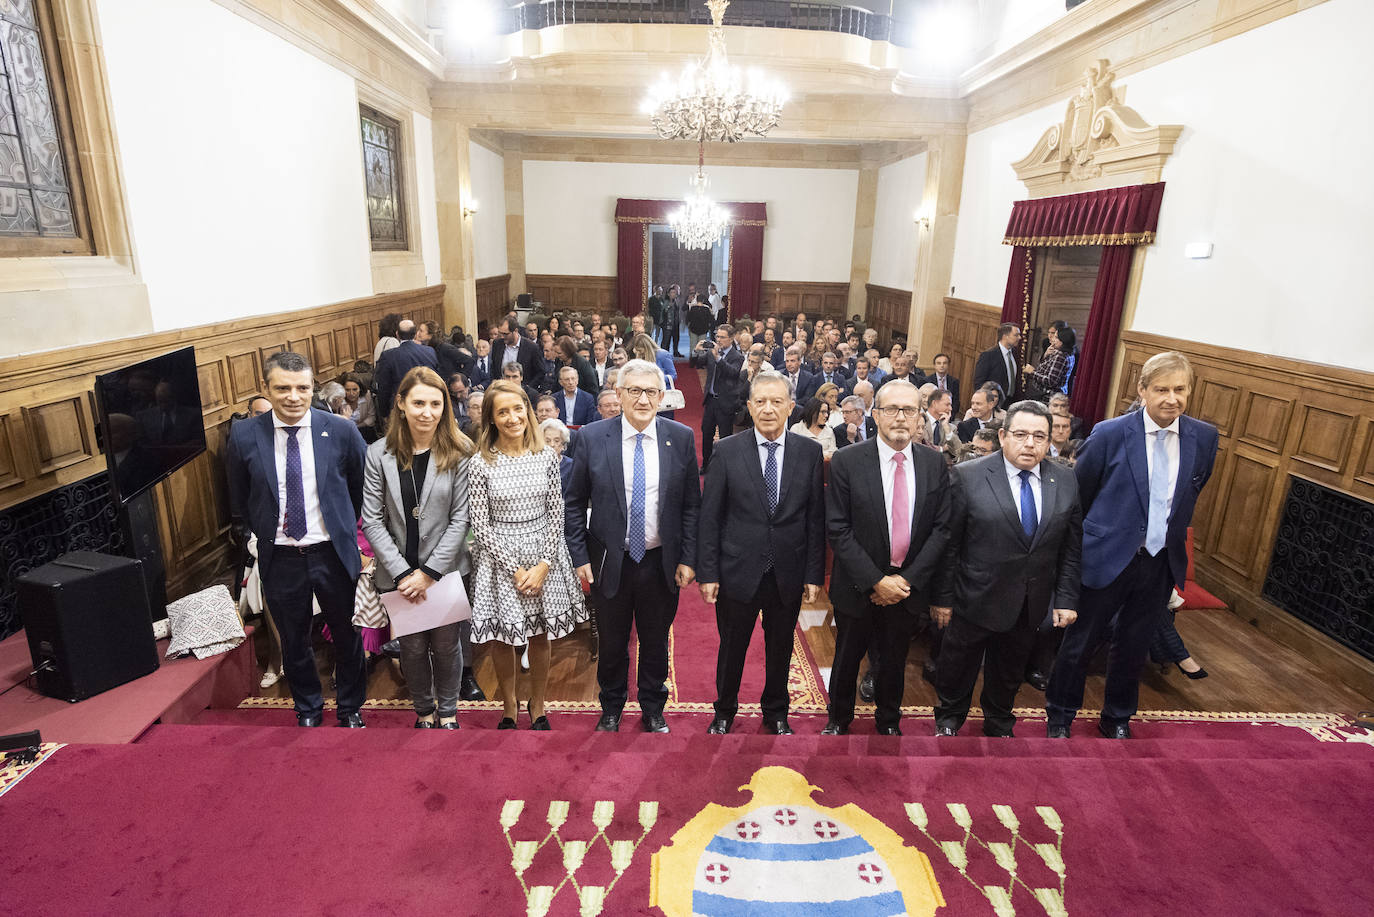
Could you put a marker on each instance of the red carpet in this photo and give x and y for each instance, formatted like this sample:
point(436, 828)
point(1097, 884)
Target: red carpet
point(221, 819)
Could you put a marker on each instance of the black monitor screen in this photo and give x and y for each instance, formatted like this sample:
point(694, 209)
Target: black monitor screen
point(150, 419)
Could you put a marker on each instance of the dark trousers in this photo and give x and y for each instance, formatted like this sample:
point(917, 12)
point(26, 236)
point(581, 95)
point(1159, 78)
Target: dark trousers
point(1167, 646)
point(1002, 656)
point(735, 624)
point(295, 575)
point(432, 662)
point(648, 603)
point(1126, 612)
point(893, 626)
point(669, 341)
point(716, 415)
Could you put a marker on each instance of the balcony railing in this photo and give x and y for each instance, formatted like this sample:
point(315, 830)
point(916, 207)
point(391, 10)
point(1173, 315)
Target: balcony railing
point(772, 14)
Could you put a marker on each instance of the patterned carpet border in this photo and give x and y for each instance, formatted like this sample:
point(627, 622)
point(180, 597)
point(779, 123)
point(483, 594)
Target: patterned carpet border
point(11, 773)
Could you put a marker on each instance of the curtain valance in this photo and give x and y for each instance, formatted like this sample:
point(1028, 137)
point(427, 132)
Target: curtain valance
point(1113, 216)
point(628, 210)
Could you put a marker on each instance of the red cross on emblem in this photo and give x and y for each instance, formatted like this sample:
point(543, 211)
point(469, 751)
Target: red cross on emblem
point(717, 873)
point(826, 829)
point(748, 830)
point(870, 872)
point(785, 817)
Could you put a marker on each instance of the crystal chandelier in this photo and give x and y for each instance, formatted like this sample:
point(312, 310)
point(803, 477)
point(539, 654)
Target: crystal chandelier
point(710, 100)
point(700, 222)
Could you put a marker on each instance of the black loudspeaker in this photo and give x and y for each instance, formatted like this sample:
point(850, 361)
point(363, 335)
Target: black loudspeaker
point(87, 619)
point(524, 301)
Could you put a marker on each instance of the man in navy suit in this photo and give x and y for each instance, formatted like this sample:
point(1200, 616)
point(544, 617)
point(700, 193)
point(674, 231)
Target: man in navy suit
point(481, 376)
point(945, 382)
point(514, 347)
point(638, 475)
point(575, 407)
point(396, 362)
point(804, 384)
point(831, 371)
point(1139, 476)
point(301, 495)
point(761, 546)
point(720, 400)
point(1000, 364)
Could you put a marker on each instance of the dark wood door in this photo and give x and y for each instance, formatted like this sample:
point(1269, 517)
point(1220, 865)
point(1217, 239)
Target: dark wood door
point(675, 264)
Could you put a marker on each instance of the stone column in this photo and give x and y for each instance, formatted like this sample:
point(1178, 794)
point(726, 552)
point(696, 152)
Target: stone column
point(935, 245)
point(453, 190)
point(515, 216)
point(861, 259)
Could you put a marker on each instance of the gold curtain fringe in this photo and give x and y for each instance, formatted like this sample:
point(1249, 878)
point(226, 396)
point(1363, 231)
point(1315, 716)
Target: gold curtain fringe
point(731, 222)
point(1128, 238)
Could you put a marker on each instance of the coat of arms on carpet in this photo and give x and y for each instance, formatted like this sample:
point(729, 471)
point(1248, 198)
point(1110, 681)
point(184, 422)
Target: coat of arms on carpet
point(784, 848)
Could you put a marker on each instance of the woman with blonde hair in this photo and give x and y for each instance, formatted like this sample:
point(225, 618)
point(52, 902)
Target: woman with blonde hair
point(523, 588)
point(642, 347)
point(829, 392)
point(415, 501)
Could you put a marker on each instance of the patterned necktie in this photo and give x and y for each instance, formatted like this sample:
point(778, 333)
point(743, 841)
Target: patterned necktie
point(1028, 519)
point(901, 511)
point(770, 476)
point(636, 537)
point(1158, 525)
point(1011, 374)
point(295, 487)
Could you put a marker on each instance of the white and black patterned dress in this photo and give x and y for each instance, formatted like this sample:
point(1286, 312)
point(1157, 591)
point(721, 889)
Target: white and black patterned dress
point(515, 505)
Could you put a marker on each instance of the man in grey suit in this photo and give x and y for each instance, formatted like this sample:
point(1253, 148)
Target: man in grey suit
point(1015, 547)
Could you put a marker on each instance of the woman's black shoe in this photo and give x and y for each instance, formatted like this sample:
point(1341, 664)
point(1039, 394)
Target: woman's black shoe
point(1200, 673)
point(506, 723)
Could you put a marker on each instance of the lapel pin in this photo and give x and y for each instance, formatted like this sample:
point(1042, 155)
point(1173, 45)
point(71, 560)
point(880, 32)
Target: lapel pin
point(324, 432)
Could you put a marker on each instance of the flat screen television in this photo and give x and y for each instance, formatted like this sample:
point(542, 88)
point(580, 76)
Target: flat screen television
point(150, 420)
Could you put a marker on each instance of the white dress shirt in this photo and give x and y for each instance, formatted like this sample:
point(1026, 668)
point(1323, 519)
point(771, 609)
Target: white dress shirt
point(600, 372)
point(511, 354)
point(1014, 481)
point(569, 406)
point(315, 532)
point(889, 468)
point(1170, 447)
point(627, 457)
point(1010, 361)
point(760, 439)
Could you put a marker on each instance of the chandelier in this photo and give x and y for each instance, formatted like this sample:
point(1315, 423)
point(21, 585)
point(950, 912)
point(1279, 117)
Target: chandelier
point(700, 222)
point(710, 100)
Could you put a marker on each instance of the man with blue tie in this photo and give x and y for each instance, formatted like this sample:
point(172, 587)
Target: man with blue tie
point(637, 473)
point(575, 407)
point(296, 482)
point(1139, 476)
point(831, 371)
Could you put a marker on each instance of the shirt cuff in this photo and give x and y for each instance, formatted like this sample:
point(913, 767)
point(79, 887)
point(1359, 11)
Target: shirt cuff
point(430, 573)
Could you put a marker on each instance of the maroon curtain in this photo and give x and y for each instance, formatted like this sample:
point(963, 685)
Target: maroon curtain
point(1016, 301)
point(1096, 354)
point(746, 268)
point(632, 267)
point(1113, 216)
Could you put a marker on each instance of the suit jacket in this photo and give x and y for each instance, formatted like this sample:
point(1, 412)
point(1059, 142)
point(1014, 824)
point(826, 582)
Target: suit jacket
point(598, 482)
point(854, 380)
point(856, 520)
point(915, 377)
point(991, 367)
point(951, 386)
point(723, 371)
point(807, 384)
point(737, 531)
point(251, 464)
point(842, 433)
point(394, 365)
point(991, 568)
point(443, 518)
point(966, 429)
point(450, 359)
point(480, 376)
point(777, 357)
point(1114, 485)
point(840, 378)
point(584, 410)
point(530, 359)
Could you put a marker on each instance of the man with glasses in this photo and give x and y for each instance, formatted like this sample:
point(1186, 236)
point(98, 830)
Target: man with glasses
point(887, 514)
point(638, 547)
point(1015, 544)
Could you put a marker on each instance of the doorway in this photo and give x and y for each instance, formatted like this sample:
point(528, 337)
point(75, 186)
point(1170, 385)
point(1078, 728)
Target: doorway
point(1065, 277)
point(670, 263)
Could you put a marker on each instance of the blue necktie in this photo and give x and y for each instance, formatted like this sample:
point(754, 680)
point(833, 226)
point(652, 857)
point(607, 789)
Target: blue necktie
point(770, 476)
point(1028, 520)
point(295, 487)
point(636, 539)
point(1159, 496)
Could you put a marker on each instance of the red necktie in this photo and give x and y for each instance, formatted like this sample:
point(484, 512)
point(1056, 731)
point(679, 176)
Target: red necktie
point(901, 511)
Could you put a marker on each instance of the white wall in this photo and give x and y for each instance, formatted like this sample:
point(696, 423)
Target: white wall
point(241, 160)
point(489, 222)
point(423, 130)
point(570, 213)
point(901, 187)
point(1272, 169)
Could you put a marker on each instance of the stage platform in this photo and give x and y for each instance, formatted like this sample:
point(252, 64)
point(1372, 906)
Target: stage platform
point(177, 692)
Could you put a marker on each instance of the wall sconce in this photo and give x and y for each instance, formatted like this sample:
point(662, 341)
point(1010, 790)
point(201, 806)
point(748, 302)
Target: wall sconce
point(922, 220)
point(469, 209)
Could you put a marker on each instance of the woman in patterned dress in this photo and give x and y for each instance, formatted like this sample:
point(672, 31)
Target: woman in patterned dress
point(524, 589)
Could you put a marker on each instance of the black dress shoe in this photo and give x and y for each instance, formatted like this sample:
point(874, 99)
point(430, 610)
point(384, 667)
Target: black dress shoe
point(351, 721)
point(449, 725)
point(720, 725)
point(946, 731)
point(835, 728)
point(889, 731)
point(654, 722)
point(609, 722)
point(392, 648)
point(1038, 680)
point(777, 727)
point(1056, 732)
point(425, 724)
point(866, 688)
point(998, 735)
point(1200, 673)
point(468, 689)
point(506, 723)
point(1117, 731)
point(307, 719)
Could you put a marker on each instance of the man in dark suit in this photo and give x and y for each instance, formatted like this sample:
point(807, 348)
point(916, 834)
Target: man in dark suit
point(672, 306)
point(831, 371)
point(527, 353)
point(396, 362)
point(945, 382)
point(761, 546)
point(887, 514)
point(1000, 364)
point(804, 384)
point(637, 473)
point(481, 376)
point(980, 406)
point(1016, 539)
point(575, 407)
point(450, 358)
point(721, 398)
point(904, 370)
point(301, 496)
point(1139, 476)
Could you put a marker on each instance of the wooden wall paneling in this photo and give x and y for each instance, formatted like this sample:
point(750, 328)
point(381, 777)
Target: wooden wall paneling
point(1266, 420)
point(322, 353)
point(301, 345)
point(364, 340)
point(1364, 469)
point(493, 298)
point(344, 351)
point(268, 350)
point(245, 376)
point(1246, 487)
point(970, 328)
point(887, 310)
point(60, 433)
point(214, 391)
point(1215, 402)
point(1324, 437)
point(818, 300)
point(572, 292)
point(11, 474)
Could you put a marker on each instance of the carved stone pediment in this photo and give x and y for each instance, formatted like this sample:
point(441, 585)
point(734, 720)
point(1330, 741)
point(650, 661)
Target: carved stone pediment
point(1101, 143)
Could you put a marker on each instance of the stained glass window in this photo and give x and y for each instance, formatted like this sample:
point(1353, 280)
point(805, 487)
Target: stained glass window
point(382, 172)
point(35, 192)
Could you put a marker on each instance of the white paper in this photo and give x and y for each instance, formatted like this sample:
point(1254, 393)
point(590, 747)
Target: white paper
point(445, 602)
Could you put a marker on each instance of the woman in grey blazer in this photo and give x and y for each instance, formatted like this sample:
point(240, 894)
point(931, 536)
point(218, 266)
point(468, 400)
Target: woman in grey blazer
point(415, 514)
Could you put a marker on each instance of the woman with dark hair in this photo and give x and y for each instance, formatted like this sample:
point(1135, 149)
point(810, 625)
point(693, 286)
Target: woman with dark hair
point(1053, 372)
point(555, 326)
point(815, 424)
point(1059, 327)
point(524, 591)
point(387, 328)
point(358, 407)
point(415, 502)
point(566, 354)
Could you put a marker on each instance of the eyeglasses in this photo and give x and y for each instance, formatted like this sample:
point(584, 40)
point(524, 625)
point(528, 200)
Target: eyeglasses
point(634, 394)
point(1022, 435)
point(893, 410)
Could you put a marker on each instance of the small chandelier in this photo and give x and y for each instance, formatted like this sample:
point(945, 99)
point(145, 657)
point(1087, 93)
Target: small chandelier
point(700, 222)
point(710, 101)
